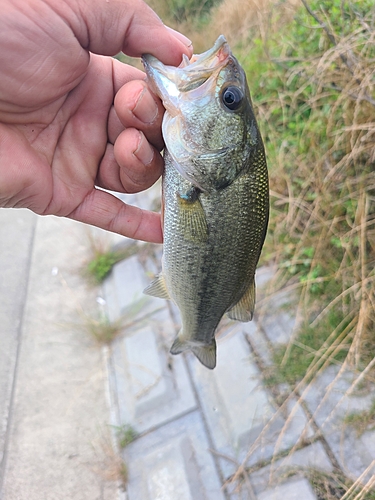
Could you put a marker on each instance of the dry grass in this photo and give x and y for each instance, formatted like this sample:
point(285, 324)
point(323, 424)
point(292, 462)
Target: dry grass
point(111, 466)
point(325, 214)
point(314, 93)
point(239, 19)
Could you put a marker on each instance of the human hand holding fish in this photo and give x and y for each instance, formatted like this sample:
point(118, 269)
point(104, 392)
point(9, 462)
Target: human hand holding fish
point(215, 195)
point(73, 121)
point(72, 118)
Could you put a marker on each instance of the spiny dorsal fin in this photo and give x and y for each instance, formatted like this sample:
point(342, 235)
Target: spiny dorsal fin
point(244, 309)
point(157, 288)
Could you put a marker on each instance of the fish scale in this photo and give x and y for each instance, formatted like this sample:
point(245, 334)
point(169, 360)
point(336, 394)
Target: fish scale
point(215, 195)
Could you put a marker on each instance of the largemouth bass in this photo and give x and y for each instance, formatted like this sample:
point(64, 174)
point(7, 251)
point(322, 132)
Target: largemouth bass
point(215, 195)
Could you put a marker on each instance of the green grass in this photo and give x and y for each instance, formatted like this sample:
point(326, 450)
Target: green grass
point(362, 421)
point(310, 350)
point(102, 262)
point(321, 159)
point(125, 435)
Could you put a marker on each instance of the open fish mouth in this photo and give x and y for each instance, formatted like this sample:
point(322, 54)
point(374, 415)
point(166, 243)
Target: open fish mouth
point(188, 92)
point(170, 81)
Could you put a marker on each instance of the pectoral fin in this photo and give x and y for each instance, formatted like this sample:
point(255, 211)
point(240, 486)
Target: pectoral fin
point(157, 288)
point(193, 218)
point(244, 309)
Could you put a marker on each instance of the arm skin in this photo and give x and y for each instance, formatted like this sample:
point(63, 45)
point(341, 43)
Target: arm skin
point(72, 118)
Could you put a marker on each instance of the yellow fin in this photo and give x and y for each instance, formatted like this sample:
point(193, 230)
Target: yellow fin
point(157, 288)
point(244, 309)
point(193, 218)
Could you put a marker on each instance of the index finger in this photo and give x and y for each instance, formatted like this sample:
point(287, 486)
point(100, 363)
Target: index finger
point(102, 209)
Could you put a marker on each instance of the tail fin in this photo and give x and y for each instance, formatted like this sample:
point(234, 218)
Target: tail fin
point(206, 354)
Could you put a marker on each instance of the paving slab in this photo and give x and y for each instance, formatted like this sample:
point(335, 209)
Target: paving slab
point(151, 389)
point(152, 386)
point(173, 462)
point(258, 341)
point(16, 237)
point(329, 399)
point(296, 489)
point(232, 397)
point(124, 287)
point(279, 325)
point(311, 456)
point(59, 418)
point(242, 417)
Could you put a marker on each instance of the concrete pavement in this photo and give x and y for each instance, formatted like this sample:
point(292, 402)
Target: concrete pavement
point(55, 439)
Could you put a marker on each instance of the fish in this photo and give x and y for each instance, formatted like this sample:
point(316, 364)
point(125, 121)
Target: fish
point(215, 195)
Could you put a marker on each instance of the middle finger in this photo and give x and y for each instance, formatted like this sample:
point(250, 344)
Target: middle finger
point(136, 107)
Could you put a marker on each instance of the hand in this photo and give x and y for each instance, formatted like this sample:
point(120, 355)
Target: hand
point(71, 119)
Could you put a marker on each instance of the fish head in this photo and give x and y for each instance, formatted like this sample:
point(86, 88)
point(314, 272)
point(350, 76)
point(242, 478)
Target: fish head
point(209, 126)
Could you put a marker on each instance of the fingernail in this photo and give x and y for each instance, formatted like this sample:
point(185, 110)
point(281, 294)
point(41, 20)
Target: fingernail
point(180, 37)
point(146, 109)
point(144, 152)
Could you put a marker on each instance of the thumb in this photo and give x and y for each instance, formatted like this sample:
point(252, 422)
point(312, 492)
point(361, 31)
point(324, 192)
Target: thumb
point(131, 26)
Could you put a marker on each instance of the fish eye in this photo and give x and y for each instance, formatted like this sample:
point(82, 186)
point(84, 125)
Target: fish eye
point(232, 97)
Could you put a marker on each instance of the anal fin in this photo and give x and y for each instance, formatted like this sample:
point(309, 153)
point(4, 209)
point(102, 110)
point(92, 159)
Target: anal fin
point(157, 288)
point(179, 345)
point(244, 309)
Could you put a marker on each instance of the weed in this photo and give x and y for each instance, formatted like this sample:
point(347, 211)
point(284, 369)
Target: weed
point(111, 466)
point(102, 329)
point(312, 349)
point(334, 485)
point(103, 258)
point(123, 473)
point(362, 421)
point(101, 266)
point(103, 261)
point(313, 88)
point(125, 435)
